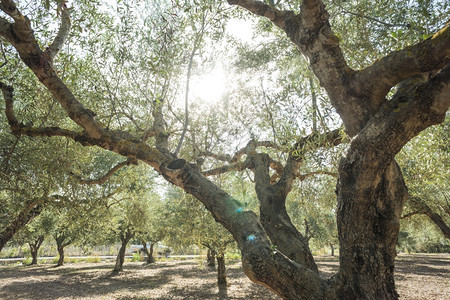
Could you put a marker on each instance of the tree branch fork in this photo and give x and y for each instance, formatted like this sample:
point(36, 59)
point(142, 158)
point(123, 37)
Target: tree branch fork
point(311, 31)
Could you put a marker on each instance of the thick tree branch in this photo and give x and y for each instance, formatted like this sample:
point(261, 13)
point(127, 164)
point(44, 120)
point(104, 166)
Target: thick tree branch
point(21, 28)
point(21, 36)
point(260, 8)
point(412, 109)
point(239, 166)
point(312, 33)
point(7, 92)
point(62, 35)
point(274, 217)
point(428, 55)
point(6, 29)
point(20, 129)
point(438, 221)
point(46, 132)
point(421, 207)
point(3, 54)
point(31, 209)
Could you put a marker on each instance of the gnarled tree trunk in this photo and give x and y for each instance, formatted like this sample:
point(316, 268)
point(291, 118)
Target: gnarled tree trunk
point(61, 256)
point(124, 238)
point(34, 248)
point(62, 241)
point(148, 252)
point(373, 210)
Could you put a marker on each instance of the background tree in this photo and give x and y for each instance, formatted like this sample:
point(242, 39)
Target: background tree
point(130, 210)
point(34, 234)
point(152, 230)
point(311, 207)
point(32, 176)
point(75, 222)
point(198, 229)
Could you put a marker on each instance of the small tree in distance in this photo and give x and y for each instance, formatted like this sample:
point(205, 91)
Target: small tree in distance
point(198, 229)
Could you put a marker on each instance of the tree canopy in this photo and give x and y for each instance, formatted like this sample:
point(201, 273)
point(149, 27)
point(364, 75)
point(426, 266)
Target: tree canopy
point(113, 76)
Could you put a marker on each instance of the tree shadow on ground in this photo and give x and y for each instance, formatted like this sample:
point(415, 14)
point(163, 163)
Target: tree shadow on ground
point(424, 265)
point(146, 281)
point(186, 280)
point(84, 282)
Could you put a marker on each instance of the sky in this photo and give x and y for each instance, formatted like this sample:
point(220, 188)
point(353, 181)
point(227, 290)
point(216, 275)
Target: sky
point(211, 86)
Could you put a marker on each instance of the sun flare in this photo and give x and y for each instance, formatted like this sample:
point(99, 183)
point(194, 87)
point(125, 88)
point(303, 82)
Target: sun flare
point(209, 87)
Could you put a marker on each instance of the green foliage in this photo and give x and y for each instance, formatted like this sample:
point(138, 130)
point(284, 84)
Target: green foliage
point(126, 58)
point(26, 261)
point(425, 163)
point(419, 235)
point(312, 209)
point(199, 228)
point(136, 257)
point(369, 30)
point(93, 259)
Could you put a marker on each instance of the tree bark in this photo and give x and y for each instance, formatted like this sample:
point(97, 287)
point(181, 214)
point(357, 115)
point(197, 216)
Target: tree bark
point(221, 269)
point(275, 219)
point(332, 249)
point(120, 257)
point(369, 204)
point(62, 240)
point(150, 258)
point(34, 248)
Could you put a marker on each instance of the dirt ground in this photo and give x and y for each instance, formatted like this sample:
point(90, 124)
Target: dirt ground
point(418, 277)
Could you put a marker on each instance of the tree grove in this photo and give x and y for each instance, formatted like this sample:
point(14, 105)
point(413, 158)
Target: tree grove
point(370, 191)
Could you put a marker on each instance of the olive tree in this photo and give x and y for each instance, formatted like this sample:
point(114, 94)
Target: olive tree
point(382, 105)
point(198, 229)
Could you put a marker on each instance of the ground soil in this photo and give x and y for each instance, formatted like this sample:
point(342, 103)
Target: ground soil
point(417, 277)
